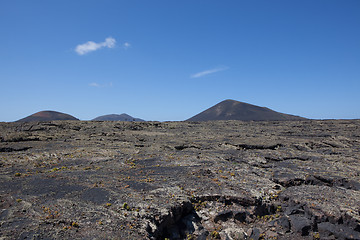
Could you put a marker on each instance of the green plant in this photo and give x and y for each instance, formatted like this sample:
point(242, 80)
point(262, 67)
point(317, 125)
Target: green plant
point(75, 224)
point(126, 207)
point(316, 236)
point(215, 235)
point(190, 237)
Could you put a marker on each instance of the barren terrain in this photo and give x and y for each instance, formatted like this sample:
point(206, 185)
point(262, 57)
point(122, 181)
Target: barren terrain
point(180, 180)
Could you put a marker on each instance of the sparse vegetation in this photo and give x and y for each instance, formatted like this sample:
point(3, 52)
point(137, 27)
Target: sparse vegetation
point(126, 207)
point(75, 224)
point(215, 235)
point(113, 189)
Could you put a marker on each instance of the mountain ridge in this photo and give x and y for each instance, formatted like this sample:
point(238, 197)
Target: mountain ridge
point(118, 117)
point(234, 110)
point(48, 115)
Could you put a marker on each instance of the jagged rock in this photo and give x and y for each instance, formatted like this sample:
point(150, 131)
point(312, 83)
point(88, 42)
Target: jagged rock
point(10, 149)
point(223, 216)
point(240, 216)
point(294, 209)
point(255, 234)
point(300, 224)
point(328, 230)
point(233, 233)
point(284, 223)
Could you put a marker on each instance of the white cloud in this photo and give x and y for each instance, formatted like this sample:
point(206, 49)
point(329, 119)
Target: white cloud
point(209, 71)
point(94, 85)
point(127, 45)
point(90, 46)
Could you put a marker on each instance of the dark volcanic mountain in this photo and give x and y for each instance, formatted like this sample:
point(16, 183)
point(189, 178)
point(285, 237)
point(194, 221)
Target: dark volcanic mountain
point(234, 110)
point(45, 116)
point(118, 117)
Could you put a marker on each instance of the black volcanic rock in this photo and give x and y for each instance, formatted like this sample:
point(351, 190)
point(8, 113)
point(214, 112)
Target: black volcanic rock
point(180, 180)
point(234, 110)
point(45, 116)
point(118, 117)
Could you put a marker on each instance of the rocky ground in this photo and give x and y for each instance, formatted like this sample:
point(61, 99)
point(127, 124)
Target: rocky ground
point(180, 180)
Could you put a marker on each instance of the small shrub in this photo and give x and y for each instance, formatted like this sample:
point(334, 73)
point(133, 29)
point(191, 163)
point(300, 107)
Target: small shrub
point(75, 224)
point(215, 235)
point(126, 207)
point(316, 236)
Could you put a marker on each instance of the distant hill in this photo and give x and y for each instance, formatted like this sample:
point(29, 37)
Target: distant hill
point(118, 117)
point(45, 116)
point(234, 110)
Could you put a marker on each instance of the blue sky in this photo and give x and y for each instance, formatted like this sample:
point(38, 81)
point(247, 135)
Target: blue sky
point(169, 60)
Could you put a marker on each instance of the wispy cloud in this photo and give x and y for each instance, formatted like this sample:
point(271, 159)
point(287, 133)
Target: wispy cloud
point(209, 71)
point(91, 46)
point(97, 85)
point(127, 45)
point(94, 84)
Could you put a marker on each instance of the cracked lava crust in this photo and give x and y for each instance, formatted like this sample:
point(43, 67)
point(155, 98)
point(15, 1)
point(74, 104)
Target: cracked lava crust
point(180, 180)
